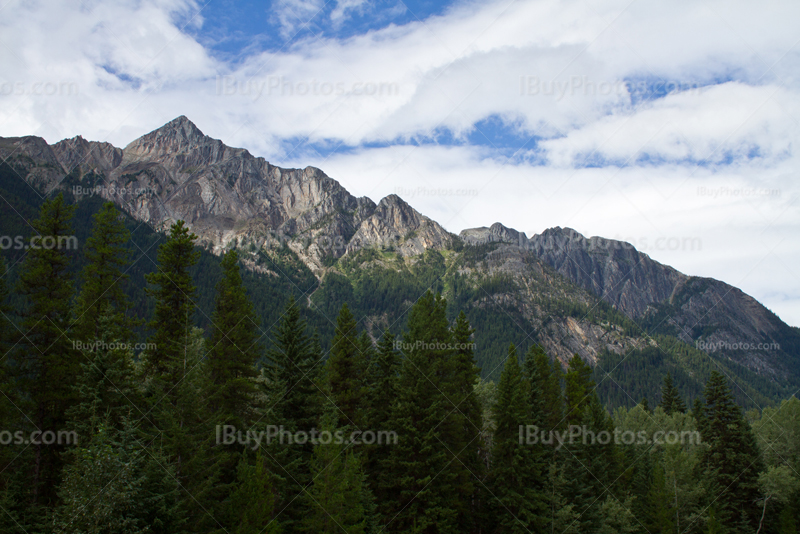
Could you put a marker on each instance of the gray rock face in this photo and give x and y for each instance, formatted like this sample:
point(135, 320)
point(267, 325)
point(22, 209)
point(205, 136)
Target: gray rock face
point(87, 156)
point(497, 233)
point(704, 312)
point(396, 224)
point(230, 198)
point(613, 270)
point(225, 194)
point(33, 159)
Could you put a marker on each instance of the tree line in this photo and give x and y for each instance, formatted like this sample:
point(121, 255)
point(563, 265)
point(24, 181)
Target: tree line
point(534, 452)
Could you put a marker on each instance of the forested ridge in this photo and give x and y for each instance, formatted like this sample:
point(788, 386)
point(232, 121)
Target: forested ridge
point(155, 416)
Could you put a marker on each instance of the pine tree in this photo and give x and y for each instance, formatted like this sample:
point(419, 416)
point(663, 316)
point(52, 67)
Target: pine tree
point(103, 278)
point(590, 466)
point(554, 397)
point(335, 497)
point(293, 395)
point(467, 443)
point(47, 362)
point(421, 475)
point(731, 462)
point(536, 374)
point(106, 386)
point(118, 484)
point(660, 514)
point(174, 293)
point(671, 399)
point(251, 506)
point(232, 351)
point(229, 387)
point(516, 471)
point(171, 367)
point(346, 368)
point(381, 392)
point(7, 409)
point(578, 390)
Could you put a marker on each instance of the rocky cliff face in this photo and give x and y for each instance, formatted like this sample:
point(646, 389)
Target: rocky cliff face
point(703, 312)
point(225, 194)
point(228, 197)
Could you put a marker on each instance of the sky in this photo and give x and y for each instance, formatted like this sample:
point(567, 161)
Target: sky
point(671, 125)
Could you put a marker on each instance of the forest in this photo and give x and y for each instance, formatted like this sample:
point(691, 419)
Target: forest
point(116, 418)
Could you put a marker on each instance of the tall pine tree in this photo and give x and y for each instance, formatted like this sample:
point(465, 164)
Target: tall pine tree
point(102, 279)
point(731, 462)
point(671, 399)
point(47, 362)
point(346, 369)
point(422, 471)
point(517, 471)
point(294, 400)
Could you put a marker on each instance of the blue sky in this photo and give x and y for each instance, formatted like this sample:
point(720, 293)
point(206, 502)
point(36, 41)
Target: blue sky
point(236, 28)
point(641, 121)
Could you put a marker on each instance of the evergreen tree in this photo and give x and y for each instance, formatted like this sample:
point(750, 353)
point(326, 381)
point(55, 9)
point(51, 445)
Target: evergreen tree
point(421, 475)
point(47, 362)
point(174, 293)
point(8, 412)
point(229, 387)
point(293, 395)
point(661, 515)
point(467, 443)
point(536, 373)
point(346, 368)
point(251, 506)
point(516, 473)
point(232, 352)
point(119, 485)
point(381, 392)
point(579, 388)
point(731, 462)
point(335, 497)
point(554, 397)
point(171, 363)
point(671, 399)
point(103, 278)
point(106, 385)
point(591, 462)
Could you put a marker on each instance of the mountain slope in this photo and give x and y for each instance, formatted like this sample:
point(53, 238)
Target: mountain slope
point(599, 298)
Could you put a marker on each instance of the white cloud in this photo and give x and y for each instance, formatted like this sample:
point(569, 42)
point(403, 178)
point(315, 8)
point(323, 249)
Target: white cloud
point(123, 68)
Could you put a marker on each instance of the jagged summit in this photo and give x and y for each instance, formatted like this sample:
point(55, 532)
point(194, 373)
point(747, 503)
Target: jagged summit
point(497, 233)
point(230, 198)
point(226, 195)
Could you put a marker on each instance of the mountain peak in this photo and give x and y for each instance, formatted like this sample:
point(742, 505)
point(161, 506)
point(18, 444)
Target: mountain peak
point(183, 127)
point(497, 233)
point(177, 139)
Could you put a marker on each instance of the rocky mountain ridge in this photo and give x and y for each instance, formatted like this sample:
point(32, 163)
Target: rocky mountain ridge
point(225, 194)
point(228, 197)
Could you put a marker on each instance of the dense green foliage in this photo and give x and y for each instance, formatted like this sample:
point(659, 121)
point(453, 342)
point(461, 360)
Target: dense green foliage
point(212, 426)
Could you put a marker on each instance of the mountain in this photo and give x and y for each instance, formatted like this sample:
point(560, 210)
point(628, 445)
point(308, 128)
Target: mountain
point(628, 315)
